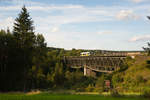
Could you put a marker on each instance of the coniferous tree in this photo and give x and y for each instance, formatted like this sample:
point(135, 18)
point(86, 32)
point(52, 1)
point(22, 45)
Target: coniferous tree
point(23, 29)
point(25, 38)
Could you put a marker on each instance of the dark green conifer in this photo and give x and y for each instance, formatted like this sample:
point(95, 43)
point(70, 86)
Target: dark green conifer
point(25, 38)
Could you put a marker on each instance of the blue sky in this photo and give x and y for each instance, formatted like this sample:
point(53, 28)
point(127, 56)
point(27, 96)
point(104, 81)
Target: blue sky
point(85, 24)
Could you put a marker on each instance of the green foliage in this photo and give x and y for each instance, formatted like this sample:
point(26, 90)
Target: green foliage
point(148, 64)
point(140, 79)
point(25, 39)
point(90, 88)
point(100, 81)
point(146, 92)
point(116, 79)
point(114, 93)
point(76, 80)
point(57, 76)
point(147, 49)
point(135, 77)
point(25, 53)
point(100, 84)
point(23, 23)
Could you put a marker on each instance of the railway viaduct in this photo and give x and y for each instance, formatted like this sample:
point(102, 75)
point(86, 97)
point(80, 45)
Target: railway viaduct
point(93, 64)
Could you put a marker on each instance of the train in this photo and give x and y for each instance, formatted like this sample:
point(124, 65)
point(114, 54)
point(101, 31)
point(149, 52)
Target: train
point(85, 54)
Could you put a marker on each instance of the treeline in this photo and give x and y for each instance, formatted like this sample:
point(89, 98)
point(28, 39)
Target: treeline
point(20, 51)
point(27, 63)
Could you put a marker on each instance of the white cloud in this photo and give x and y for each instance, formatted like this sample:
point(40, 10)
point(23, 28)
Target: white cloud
point(69, 13)
point(138, 1)
point(42, 8)
point(126, 15)
point(79, 13)
point(20, 2)
point(55, 29)
point(71, 17)
point(6, 23)
point(52, 7)
point(10, 8)
point(140, 38)
point(104, 32)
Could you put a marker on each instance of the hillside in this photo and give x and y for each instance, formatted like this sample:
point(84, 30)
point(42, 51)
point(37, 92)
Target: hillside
point(136, 77)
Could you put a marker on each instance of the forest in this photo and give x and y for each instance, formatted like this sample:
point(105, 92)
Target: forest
point(27, 63)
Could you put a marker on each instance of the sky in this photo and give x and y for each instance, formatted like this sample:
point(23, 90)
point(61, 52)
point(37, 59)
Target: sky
point(85, 24)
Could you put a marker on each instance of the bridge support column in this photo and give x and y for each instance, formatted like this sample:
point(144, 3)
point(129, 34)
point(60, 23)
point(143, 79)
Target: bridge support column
point(89, 72)
point(85, 71)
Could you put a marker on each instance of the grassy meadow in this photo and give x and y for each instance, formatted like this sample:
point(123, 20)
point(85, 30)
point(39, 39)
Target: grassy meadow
point(48, 96)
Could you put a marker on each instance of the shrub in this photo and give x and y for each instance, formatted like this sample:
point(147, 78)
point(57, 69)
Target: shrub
point(140, 79)
point(114, 93)
point(148, 64)
point(146, 93)
point(117, 78)
point(148, 61)
point(79, 89)
point(90, 88)
point(100, 90)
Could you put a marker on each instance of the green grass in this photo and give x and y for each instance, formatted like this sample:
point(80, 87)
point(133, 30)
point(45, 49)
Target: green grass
point(47, 96)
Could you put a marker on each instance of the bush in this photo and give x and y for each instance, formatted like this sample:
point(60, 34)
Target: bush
point(100, 90)
point(79, 89)
point(114, 93)
point(90, 88)
point(117, 78)
point(148, 64)
point(146, 93)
